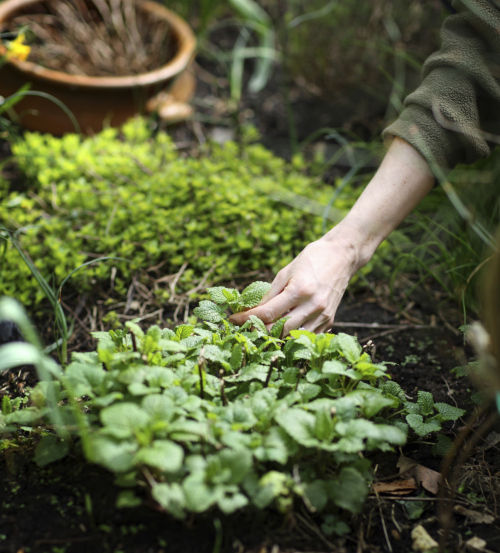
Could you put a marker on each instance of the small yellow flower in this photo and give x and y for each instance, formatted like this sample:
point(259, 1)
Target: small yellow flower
point(17, 49)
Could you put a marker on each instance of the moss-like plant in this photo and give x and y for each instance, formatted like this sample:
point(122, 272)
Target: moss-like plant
point(133, 195)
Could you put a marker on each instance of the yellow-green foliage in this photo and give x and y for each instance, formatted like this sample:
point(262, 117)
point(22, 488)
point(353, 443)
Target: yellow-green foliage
point(131, 194)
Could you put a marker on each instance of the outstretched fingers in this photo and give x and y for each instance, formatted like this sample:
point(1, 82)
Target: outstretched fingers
point(268, 312)
point(278, 284)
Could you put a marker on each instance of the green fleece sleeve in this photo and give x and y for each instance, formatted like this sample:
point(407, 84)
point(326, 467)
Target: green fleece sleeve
point(451, 117)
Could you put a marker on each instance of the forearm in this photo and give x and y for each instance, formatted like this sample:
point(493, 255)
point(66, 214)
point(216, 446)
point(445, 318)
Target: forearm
point(308, 290)
point(400, 183)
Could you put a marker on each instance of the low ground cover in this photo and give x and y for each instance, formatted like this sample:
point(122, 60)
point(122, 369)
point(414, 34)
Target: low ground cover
point(152, 212)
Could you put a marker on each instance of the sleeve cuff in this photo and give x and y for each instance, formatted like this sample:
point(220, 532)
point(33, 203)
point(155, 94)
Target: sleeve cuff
point(440, 148)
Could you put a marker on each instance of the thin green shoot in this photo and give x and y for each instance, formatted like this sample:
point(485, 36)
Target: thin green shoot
point(23, 92)
point(54, 296)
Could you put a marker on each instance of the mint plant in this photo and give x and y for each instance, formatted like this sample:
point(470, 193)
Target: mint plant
point(426, 416)
point(212, 416)
point(223, 299)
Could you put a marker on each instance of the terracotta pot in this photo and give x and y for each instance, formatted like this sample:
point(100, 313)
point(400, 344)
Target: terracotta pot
point(100, 101)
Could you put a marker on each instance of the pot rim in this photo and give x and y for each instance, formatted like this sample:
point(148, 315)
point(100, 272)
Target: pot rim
point(186, 46)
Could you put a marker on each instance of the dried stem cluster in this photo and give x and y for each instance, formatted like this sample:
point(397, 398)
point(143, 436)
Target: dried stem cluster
point(96, 37)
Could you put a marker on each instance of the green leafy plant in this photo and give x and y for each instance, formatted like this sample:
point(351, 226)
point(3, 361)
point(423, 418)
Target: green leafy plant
point(133, 196)
point(222, 298)
point(212, 416)
point(424, 416)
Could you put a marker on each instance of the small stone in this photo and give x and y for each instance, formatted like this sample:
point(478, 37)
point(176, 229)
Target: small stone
point(475, 544)
point(422, 541)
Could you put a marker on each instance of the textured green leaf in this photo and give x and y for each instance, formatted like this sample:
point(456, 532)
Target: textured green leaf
point(387, 433)
point(308, 391)
point(277, 446)
point(49, 449)
point(199, 496)
point(116, 456)
point(277, 328)
point(252, 295)
point(305, 338)
point(270, 486)
point(426, 402)
point(171, 346)
point(372, 402)
point(349, 347)
point(413, 408)
point(394, 389)
point(161, 454)
point(258, 324)
point(442, 446)
point(421, 428)
point(252, 371)
point(335, 367)
point(324, 427)
point(448, 412)
point(209, 311)
point(108, 399)
point(85, 379)
point(188, 430)
point(170, 497)
point(229, 503)
point(123, 419)
point(135, 329)
point(127, 499)
point(238, 461)
point(236, 357)
point(217, 355)
point(25, 417)
point(334, 525)
point(299, 424)
point(184, 331)
point(349, 490)
point(159, 406)
point(316, 494)
point(217, 295)
point(232, 297)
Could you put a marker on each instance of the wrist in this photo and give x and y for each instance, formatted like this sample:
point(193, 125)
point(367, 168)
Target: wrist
point(357, 246)
point(399, 184)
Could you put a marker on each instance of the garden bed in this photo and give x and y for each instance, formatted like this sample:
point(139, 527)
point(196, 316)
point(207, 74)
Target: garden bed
point(70, 506)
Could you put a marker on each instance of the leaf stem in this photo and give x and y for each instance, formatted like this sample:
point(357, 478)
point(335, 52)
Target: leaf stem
point(223, 389)
point(134, 342)
point(201, 365)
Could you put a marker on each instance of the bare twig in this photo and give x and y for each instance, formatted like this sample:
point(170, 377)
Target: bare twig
point(384, 528)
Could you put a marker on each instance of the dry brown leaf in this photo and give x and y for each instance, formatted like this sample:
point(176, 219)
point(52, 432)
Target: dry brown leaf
point(396, 487)
point(405, 464)
point(428, 478)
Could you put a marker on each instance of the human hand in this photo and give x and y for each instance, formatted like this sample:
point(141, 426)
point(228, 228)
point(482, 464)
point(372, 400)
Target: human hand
point(309, 289)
